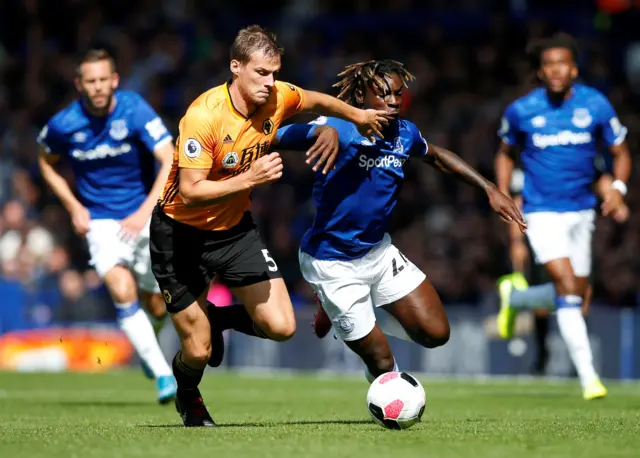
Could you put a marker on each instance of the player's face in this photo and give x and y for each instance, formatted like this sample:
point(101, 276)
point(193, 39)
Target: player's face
point(389, 100)
point(557, 70)
point(256, 77)
point(96, 83)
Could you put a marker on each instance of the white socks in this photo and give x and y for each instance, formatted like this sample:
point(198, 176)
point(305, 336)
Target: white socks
point(574, 332)
point(133, 321)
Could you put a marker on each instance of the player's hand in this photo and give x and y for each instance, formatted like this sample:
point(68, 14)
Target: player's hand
point(506, 208)
point(621, 214)
point(373, 123)
point(266, 169)
point(612, 202)
point(131, 226)
point(325, 150)
point(80, 219)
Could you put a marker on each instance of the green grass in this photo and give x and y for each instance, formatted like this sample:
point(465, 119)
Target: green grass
point(114, 415)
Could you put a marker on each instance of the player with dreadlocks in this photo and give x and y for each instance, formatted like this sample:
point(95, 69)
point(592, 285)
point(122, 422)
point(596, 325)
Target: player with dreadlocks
point(347, 255)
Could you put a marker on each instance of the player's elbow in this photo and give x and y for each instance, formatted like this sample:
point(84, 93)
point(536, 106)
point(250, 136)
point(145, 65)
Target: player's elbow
point(187, 194)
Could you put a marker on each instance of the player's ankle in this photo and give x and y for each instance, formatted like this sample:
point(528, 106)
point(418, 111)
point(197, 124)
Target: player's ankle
point(187, 376)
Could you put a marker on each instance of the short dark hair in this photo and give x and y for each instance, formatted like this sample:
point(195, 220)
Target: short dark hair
point(356, 78)
point(96, 55)
point(251, 39)
point(558, 40)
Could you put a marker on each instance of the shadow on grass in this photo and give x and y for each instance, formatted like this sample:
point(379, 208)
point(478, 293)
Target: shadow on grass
point(100, 403)
point(272, 424)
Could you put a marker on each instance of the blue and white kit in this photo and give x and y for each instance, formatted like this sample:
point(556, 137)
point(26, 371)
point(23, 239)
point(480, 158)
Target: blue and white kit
point(559, 148)
point(347, 255)
point(114, 167)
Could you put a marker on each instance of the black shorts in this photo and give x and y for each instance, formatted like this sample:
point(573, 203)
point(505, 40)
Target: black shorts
point(184, 259)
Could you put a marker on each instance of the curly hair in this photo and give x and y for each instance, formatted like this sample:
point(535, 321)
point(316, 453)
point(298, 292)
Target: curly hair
point(356, 78)
point(559, 40)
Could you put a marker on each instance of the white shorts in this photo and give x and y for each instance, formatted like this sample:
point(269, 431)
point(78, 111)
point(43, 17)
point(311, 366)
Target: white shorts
point(107, 250)
point(349, 290)
point(562, 235)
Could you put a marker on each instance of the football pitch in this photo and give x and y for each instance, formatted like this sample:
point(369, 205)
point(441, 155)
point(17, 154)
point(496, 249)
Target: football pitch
point(115, 415)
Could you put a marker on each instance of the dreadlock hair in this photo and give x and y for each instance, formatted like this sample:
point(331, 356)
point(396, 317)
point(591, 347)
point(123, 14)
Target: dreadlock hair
point(558, 40)
point(356, 78)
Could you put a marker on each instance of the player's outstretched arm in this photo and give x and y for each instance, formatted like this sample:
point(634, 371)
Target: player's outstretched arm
point(324, 151)
point(501, 204)
point(503, 165)
point(196, 189)
point(518, 250)
point(370, 123)
point(79, 214)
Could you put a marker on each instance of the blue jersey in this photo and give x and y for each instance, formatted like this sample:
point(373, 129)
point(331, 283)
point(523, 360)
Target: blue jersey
point(111, 156)
point(354, 202)
point(559, 145)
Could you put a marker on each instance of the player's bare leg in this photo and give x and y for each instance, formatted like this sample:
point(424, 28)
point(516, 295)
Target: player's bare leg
point(541, 323)
point(422, 316)
point(269, 307)
point(321, 321)
point(569, 299)
point(193, 329)
point(588, 295)
point(375, 352)
point(134, 322)
point(154, 305)
point(420, 313)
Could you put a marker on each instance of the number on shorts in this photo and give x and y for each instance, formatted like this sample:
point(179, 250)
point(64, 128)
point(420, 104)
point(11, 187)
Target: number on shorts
point(271, 264)
point(394, 264)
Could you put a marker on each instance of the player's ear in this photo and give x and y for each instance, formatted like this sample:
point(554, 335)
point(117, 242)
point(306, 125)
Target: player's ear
point(574, 72)
point(235, 66)
point(78, 83)
point(540, 75)
point(115, 80)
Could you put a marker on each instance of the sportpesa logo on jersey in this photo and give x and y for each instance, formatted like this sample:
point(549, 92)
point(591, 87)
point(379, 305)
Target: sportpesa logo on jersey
point(564, 138)
point(101, 152)
point(383, 162)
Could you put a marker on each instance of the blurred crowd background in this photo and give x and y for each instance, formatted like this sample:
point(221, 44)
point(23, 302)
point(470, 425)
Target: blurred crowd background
point(469, 61)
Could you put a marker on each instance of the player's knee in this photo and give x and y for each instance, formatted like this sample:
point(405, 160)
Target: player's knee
point(435, 336)
point(280, 329)
point(197, 354)
point(155, 306)
point(121, 285)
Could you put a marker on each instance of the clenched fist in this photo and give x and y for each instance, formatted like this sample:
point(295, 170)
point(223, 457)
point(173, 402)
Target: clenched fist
point(266, 169)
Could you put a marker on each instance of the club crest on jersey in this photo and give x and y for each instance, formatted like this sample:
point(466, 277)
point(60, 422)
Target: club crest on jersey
point(581, 118)
point(192, 148)
point(539, 121)
point(267, 126)
point(119, 129)
point(230, 160)
point(398, 147)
